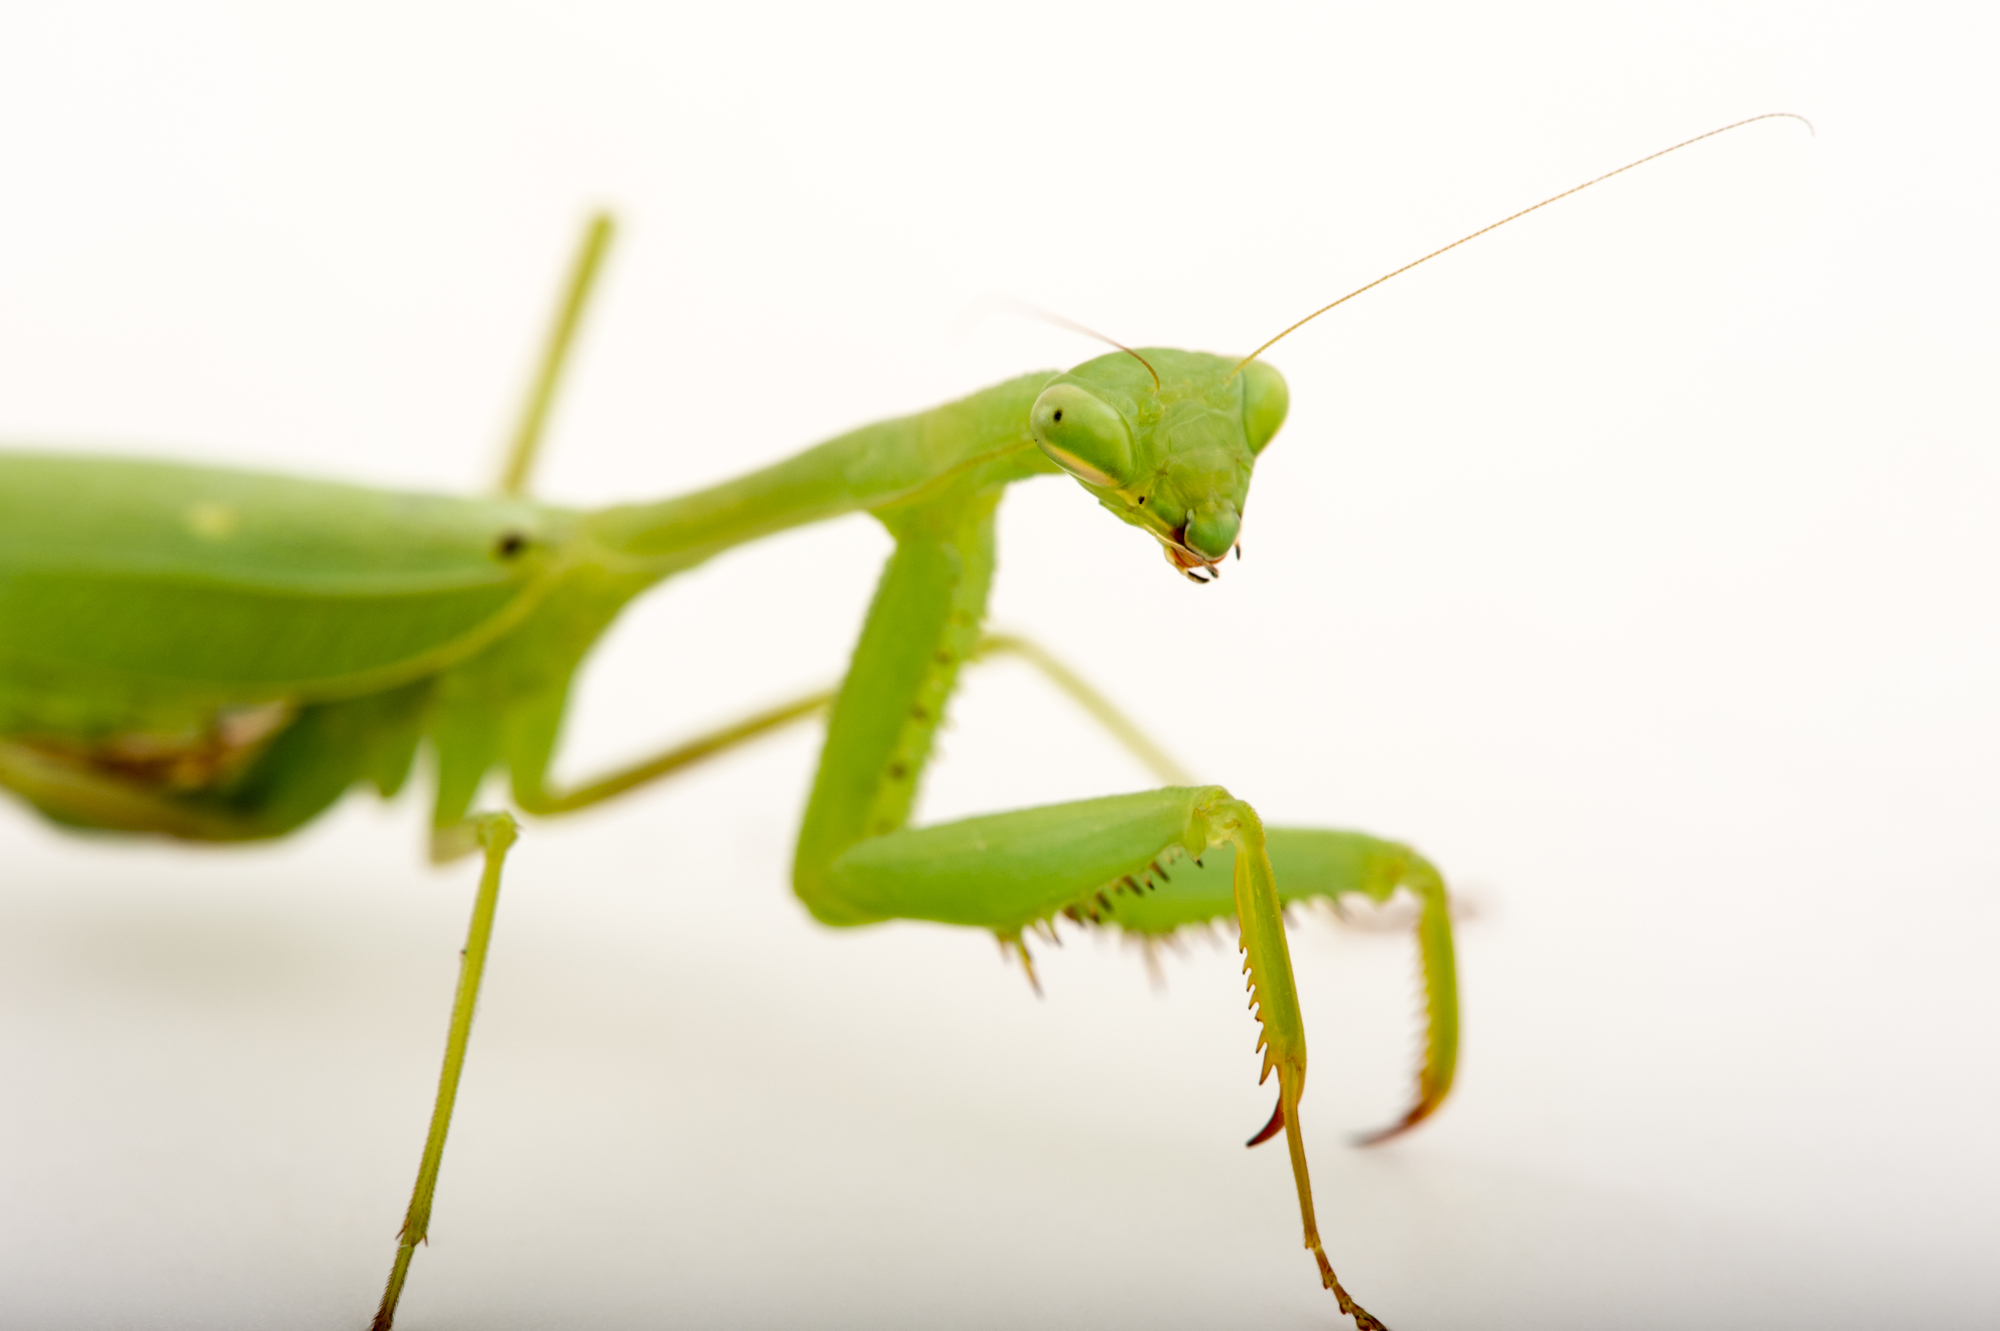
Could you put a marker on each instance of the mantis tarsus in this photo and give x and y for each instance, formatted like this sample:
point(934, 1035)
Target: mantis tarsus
point(219, 656)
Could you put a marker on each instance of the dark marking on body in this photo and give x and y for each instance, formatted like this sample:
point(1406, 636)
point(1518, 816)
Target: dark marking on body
point(181, 763)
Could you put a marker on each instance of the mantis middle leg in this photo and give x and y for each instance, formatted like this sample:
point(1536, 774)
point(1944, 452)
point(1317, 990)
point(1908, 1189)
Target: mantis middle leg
point(494, 834)
point(534, 795)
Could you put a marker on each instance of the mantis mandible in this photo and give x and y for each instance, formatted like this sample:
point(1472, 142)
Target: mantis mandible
point(219, 656)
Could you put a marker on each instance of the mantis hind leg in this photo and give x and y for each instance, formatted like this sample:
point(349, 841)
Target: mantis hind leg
point(527, 439)
point(495, 832)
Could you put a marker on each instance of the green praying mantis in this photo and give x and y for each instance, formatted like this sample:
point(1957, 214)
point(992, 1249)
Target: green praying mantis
point(219, 656)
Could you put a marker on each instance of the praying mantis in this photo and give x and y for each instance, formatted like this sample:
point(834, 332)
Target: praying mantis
point(219, 656)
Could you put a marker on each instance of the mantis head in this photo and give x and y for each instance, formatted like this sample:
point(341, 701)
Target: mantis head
point(1166, 440)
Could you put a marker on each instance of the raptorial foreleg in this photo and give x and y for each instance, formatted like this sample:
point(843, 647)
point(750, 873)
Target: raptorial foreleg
point(1012, 871)
point(1318, 864)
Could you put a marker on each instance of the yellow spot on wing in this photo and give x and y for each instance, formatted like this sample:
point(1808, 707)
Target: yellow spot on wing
point(211, 521)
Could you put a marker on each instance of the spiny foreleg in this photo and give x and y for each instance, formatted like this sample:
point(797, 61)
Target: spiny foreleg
point(1316, 864)
point(1017, 871)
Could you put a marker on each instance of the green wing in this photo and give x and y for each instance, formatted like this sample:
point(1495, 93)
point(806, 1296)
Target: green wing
point(218, 654)
point(255, 585)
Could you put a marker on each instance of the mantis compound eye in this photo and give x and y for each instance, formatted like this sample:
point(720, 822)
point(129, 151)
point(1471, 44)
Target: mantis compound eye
point(1265, 402)
point(1212, 529)
point(1083, 435)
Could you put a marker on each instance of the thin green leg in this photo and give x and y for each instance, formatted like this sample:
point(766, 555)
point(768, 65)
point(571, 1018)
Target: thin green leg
point(542, 394)
point(1101, 709)
point(496, 832)
point(535, 798)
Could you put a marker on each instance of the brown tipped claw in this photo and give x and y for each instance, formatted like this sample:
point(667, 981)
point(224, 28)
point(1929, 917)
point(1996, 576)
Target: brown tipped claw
point(1420, 1111)
point(1271, 1129)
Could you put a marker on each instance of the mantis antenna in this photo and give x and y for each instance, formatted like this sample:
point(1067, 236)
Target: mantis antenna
point(1769, 115)
point(542, 395)
point(1037, 312)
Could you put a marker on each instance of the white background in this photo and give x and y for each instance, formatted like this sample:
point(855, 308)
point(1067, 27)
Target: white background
point(1637, 562)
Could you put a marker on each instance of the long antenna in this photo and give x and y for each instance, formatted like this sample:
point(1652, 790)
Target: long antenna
point(1050, 317)
point(1769, 115)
